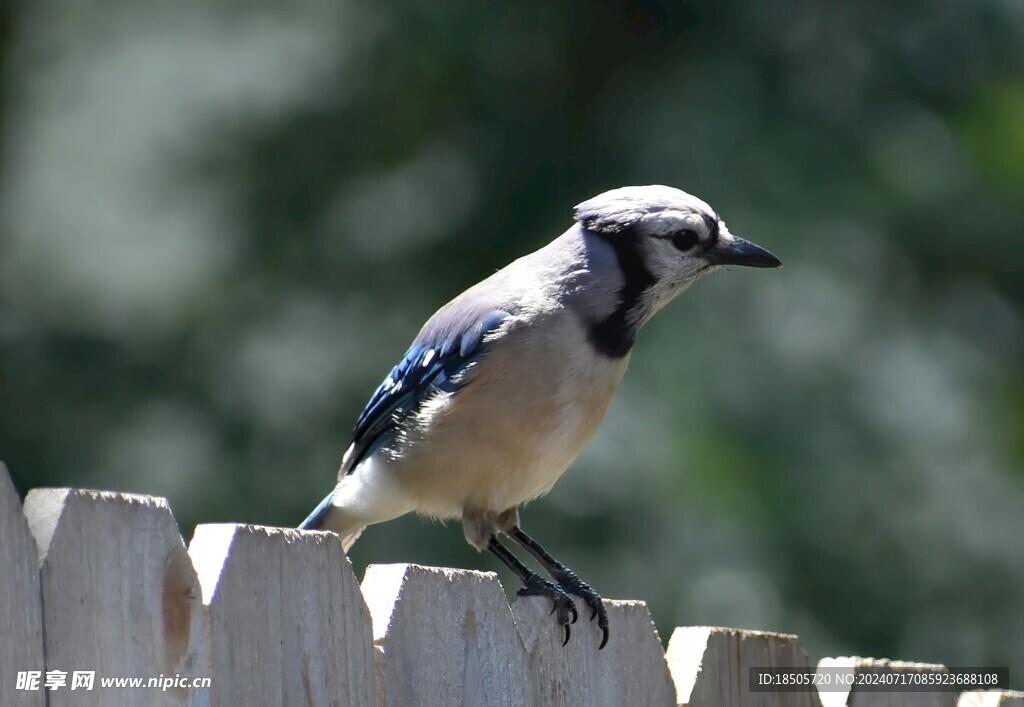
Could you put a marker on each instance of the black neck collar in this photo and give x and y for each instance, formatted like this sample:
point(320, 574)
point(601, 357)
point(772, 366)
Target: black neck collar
point(614, 336)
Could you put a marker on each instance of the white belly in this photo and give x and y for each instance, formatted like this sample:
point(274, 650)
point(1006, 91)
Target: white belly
point(510, 434)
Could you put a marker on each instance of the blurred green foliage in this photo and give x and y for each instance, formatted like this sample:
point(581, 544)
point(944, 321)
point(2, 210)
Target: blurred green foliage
point(221, 223)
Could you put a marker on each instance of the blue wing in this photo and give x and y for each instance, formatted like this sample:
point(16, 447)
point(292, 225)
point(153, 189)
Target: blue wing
point(433, 361)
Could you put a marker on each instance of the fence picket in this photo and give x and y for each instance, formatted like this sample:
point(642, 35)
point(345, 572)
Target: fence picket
point(859, 697)
point(119, 596)
point(991, 698)
point(21, 617)
point(710, 666)
point(445, 637)
point(630, 670)
point(286, 619)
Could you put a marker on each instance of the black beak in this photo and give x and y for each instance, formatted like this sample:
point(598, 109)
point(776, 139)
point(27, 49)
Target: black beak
point(737, 251)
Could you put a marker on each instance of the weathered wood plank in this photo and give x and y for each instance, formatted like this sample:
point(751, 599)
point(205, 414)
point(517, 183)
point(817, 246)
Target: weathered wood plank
point(630, 670)
point(860, 697)
point(991, 698)
point(119, 596)
point(444, 637)
point(287, 622)
point(710, 666)
point(21, 612)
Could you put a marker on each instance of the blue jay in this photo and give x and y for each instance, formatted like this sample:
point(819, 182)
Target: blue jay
point(505, 384)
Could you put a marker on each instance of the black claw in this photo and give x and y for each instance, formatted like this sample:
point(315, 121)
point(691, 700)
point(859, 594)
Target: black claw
point(566, 582)
point(572, 584)
point(562, 604)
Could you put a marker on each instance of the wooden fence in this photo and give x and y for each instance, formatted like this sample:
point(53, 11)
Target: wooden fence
point(102, 583)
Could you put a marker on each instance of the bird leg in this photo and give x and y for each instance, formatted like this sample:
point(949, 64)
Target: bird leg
point(566, 579)
point(534, 585)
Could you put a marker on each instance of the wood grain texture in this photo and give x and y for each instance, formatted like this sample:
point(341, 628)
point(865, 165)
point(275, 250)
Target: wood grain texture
point(21, 613)
point(287, 622)
point(859, 697)
point(444, 637)
point(630, 670)
point(119, 595)
point(710, 666)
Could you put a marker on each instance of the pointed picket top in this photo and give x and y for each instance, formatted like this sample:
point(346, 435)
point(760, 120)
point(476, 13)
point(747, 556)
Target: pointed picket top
point(120, 597)
point(710, 666)
point(286, 618)
point(21, 613)
point(857, 696)
point(630, 670)
point(444, 636)
point(991, 698)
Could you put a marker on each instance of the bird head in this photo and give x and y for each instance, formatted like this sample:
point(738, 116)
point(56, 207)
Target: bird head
point(665, 239)
point(677, 236)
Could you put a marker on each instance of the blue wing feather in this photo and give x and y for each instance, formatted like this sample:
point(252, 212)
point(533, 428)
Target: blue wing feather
point(433, 360)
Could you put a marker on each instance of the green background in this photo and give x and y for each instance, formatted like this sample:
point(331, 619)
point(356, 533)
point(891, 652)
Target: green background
point(221, 223)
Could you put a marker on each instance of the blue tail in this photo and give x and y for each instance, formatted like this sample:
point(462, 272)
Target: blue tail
point(315, 518)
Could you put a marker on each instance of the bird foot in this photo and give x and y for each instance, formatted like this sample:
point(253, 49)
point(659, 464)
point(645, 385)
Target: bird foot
point(571, 583)
point(564, 607)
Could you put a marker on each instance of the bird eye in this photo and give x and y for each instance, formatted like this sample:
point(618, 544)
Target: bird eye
point(685, 239)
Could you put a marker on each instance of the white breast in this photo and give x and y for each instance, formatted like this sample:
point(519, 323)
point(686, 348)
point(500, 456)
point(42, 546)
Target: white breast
point(507, 436)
